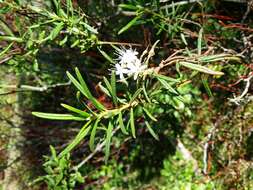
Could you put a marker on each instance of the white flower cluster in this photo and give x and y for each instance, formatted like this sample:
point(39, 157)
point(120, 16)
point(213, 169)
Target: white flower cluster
point(128, 64)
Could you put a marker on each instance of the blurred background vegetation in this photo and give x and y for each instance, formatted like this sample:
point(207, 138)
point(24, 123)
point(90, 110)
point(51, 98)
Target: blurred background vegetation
point(41, 40)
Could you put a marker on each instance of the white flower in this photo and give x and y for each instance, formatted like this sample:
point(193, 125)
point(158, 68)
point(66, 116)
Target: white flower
point(128, 64)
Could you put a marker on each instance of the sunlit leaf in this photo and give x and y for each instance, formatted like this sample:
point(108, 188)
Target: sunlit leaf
point(129, 25)
point(108, 141)
point(80, 112)
point(151, 131)
point(132, 122)
point(93, 134)
point(121, 124)
point(200, 68)
point(58, 116)
point(149, 114)
point(82, 133)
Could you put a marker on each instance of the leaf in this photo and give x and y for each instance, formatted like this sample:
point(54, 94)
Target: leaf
point(90, 28)
point(151, 131)
point(149, 114)
point(69, 7)
point(167, 86)
point(106, 56)
point(108, 85)
point(62, 42)
point(145, 93)
point(53, 152)
point(200, 41)
point(54, 33)
point(200, 68)
point(75, 110)
point(58, 116)
point(126, 6)
point(131, 23)
point(220, 57)
point(77, 84)
point(57, 5)
point(113, 85)
point(11, 39)
point(121, 124)
point(6, 28)
point(93, 134)
point(82, 87)
point(108, 141)
point(104, 89)
point(83, 84)
point(205, 83)
point(135, 95)
point(82, 133)
point(169, 79)
point(132, 122)
point(183, 39)
point(111, 89)
point(6, 49)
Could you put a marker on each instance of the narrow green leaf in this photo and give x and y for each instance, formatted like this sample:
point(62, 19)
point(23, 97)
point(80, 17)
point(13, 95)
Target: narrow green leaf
point(131, 23)
point(57, 116)
point(151, 131)
point(121, 124)
point(106, 56)
point(145, 93)
point(77, 84)
point(205, 83)
point(169, 79)
point(75, 110)
point(93, 134)
point(6, 49)
point(82, 82)
point(112, 90)
point(57, 6)
point(167, 86)
point(135, 95)
point(104, 89)
point(132, 122)
point(200, 68)
point(108, 85)
point(84, 89)
point(62, 42)
point(149, 114)
point(75, 43)
point(200, 41)
point(54, 33)
point(108, 141)
point(6, 28)
point(220, 57)
point(53, 152)
point(113, 85)
point(69, 7)
point(130, 7)
point(90, 28)
point(11, 39)
point(183, 39)
point(82, 133)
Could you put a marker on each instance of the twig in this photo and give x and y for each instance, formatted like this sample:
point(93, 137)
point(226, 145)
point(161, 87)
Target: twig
point(238, 99)
point(206, 148)
point(36, 88)
point(98, 148)
point(249, 4)
point(179, 3)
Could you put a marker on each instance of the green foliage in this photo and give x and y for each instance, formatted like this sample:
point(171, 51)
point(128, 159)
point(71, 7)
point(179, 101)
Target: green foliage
point(178, 174)
point(164, 83)
point(59, 176)
point(62, 26)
